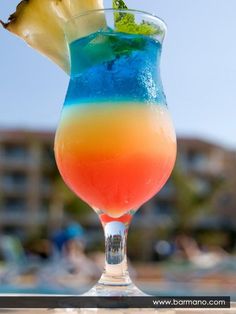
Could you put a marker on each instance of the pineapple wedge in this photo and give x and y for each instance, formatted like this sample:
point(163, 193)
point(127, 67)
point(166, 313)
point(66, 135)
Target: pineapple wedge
point(40, 23)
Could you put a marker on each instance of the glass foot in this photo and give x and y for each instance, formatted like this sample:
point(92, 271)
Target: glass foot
point(103, 290)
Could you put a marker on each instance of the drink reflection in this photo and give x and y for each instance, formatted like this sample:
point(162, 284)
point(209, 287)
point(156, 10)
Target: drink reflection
point(115, 233)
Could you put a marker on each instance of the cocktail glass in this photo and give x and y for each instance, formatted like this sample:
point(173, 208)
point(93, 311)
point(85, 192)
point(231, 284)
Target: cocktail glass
point(115, 145)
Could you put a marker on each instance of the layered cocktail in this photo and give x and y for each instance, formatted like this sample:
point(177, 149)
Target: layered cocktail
point(115, 145)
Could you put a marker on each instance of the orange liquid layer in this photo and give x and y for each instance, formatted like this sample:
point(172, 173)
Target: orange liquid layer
point(115, 157)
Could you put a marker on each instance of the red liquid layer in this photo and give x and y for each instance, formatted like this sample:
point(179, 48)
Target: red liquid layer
point(115, 157)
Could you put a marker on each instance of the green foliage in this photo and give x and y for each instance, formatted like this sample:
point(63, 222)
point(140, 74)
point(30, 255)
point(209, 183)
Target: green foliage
point(189, 202)
point(77, 209)
point(125, 22)
point(119, 4)
point(213, 238)
point(73, 205)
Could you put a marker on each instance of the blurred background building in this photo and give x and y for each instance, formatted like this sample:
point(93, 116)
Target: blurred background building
point(50, 241)
point(26, 168)
point(34, 201)
point(181, 242)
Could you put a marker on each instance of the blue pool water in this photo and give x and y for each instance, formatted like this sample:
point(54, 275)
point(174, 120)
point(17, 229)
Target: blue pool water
point(115, 66)
point(158, 289)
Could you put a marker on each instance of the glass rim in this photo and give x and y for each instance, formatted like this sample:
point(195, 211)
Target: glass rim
point(151, 16)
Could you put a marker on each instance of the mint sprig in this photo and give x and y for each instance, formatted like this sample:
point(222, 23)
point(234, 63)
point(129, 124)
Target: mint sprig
point(119, 4)
point(125, 22)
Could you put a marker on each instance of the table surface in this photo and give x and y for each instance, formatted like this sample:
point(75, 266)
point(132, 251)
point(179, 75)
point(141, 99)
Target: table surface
point(232, 310)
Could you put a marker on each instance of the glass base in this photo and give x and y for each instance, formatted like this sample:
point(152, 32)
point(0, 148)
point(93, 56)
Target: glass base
point(105, 290)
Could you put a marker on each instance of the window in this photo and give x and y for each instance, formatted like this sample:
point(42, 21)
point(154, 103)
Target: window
point(45, 206)
point(163, 208)
point(14, 204)
point(14, 179)
point(196, 160)
point(15, 151)
point(13, 231)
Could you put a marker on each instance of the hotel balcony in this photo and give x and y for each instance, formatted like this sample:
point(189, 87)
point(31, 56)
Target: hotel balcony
point(22, 217)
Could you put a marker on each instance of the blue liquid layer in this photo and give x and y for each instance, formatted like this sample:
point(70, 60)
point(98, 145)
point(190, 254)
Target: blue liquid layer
point(109, 66)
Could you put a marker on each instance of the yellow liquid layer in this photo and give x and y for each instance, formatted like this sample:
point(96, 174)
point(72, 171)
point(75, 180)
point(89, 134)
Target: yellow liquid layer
point(115, 156)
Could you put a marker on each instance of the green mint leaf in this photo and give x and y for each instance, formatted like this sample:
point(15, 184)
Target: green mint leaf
point(119, 4)
point(125, 22)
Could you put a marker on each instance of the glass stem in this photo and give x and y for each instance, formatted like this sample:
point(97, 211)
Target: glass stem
point(116, 269)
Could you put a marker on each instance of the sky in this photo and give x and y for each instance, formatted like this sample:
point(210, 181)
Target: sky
point(198, 71)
